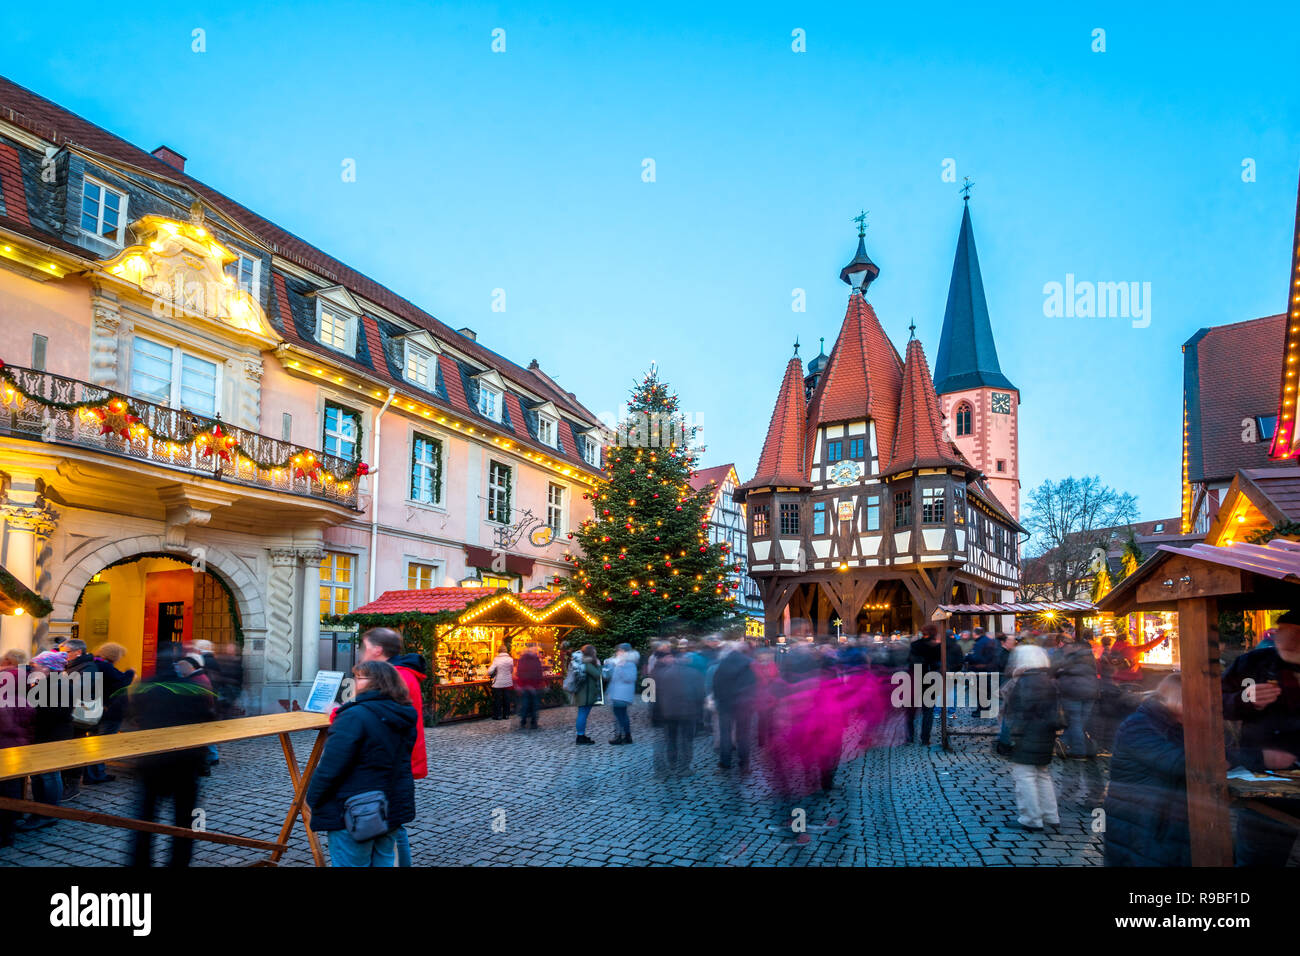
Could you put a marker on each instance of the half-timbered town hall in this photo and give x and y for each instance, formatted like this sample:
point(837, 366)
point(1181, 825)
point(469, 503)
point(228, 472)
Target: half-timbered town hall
point(882, 492)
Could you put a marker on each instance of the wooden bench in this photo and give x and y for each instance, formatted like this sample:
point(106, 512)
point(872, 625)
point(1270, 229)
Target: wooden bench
point(16, 762)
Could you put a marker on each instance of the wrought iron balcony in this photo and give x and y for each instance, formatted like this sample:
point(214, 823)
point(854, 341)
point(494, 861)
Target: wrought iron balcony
point(42, 406)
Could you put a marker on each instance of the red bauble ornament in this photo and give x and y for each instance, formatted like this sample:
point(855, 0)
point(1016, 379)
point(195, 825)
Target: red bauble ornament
point(608, 566)
point(636, 592)
point(703, 547)
point(679, 507)
point(656, 537)
point(363, 468)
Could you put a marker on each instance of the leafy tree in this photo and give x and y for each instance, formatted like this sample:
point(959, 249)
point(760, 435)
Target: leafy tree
point(646, 566)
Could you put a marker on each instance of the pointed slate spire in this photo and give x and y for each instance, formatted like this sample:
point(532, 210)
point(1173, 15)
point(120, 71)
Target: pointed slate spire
point(920, 440)
point(782, 459)
point(967, 356)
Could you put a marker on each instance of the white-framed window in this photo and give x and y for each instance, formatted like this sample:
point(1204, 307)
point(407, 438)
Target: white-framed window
point(103, 211)
point(591, 452)
point(336, 329)
point(419, 366)
point(336, 583)
point(546, 430)
point(489, 402)
point(498, 492)
point(555, 508)
point(421, 575)
point(426, 470)
point(247, 272)
point(339, 434)
point(170, 376)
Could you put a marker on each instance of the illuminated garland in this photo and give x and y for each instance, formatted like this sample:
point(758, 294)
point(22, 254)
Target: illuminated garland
point(115, 415)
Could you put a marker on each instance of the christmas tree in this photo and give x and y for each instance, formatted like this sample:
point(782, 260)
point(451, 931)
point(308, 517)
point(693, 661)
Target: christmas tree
point(646, 567)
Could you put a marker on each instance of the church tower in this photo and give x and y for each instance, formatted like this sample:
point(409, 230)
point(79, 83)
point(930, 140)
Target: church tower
point(980, 405)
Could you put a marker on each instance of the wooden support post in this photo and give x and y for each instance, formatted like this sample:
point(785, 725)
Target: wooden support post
point(1209, 819)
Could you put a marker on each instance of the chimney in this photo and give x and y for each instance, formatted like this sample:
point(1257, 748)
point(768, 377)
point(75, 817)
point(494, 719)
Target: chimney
point(469, 334)
point(170, 157)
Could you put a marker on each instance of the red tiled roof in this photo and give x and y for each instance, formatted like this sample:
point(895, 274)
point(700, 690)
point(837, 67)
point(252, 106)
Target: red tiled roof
point(1231, 373)
point(700, 479)
point(375, 344)
point(782, 459)
point(440, 600)
point(566, 440)
point(863, 378)
point(46, 119)
point(517, 419)
point(455, 387)
point(12, 189)
point(919, 440)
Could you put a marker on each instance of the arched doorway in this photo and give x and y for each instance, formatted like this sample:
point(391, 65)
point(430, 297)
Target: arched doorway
point(148, 601)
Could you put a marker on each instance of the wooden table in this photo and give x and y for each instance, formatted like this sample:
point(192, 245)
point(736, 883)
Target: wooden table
point(68, 754)
point(1248, 793)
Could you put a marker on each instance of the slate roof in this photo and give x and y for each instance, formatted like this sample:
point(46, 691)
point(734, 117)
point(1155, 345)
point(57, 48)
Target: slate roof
point(1230, 373)
point(967, 357)
point(26, 204)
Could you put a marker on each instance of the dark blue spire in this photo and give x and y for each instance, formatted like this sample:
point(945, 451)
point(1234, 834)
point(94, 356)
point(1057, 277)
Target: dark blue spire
point(967, 357)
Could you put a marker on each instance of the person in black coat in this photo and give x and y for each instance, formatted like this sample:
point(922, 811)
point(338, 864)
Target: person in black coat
point(734, 686)
point(678, 706)
point(1262, 690)
point(1075, 670)
point(166, 699)
point(1146, 803)
point(1033, 712)
point(369, 749)
point(924, 653)
point(116, 684)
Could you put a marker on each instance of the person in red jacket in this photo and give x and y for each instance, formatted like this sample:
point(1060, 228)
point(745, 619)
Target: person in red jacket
point(385, 644)
point(1124, 657)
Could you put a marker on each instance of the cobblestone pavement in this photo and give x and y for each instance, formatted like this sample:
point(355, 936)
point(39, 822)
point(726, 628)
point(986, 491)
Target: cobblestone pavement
point(499, 796)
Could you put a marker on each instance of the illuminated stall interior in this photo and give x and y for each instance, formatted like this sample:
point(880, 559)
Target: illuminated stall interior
point(468, 625)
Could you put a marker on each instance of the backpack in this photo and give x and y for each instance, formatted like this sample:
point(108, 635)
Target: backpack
point(576, 677)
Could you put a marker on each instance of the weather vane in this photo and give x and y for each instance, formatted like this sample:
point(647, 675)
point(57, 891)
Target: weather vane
point(966, 185)
point(912, 330)
point(861, 220)
point(796, 345)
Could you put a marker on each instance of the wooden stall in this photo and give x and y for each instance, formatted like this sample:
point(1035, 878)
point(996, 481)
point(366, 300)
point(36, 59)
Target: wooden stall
point(1199, 582)
point(459, 630)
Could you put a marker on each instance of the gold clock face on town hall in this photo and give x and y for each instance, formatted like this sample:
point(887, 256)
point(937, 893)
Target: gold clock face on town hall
point(1002, 403)
point(846, 472)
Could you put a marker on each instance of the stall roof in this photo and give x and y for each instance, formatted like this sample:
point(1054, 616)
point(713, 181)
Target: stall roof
point(1278, 560)
point(1028, 607)
point(462, 603)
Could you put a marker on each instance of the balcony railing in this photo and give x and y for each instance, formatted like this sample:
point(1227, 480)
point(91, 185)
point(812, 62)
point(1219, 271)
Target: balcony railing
point(170, 437)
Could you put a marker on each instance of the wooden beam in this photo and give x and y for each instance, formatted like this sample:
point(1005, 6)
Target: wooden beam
point(1208, 816)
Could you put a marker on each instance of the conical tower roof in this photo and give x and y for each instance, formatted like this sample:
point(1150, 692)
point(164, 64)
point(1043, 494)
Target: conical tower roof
point(920, 441)
point(782, 460)
point(967, 356)
point(862, 378)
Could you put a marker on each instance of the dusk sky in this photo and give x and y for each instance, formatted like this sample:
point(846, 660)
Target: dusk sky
point(523, 171)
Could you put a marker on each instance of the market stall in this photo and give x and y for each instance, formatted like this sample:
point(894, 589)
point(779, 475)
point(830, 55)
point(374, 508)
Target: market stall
point(458, 630)
point(1198, 582)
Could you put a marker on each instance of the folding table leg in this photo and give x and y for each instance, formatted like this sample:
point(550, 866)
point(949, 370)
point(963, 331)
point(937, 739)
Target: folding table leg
point(299, 807)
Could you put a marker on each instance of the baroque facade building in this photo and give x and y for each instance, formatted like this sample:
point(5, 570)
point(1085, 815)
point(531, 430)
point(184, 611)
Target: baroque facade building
point(210, 428)
point(865, 513)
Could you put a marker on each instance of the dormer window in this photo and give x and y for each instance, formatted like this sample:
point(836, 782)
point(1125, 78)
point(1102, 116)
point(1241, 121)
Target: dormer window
point(103, 211)
point(337, 317)
point(546, 430)
point(418, 365)
point(591, 448)
point(246, 270)
point(335, 330)
point(548, 424)
point(489, 403)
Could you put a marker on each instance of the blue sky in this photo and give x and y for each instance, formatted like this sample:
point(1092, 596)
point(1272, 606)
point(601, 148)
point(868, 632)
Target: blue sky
point(522, 171)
